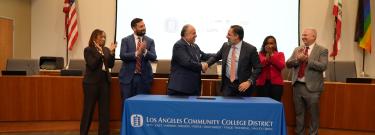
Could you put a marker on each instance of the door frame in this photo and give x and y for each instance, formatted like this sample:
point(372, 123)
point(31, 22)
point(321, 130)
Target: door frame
point(13, 34)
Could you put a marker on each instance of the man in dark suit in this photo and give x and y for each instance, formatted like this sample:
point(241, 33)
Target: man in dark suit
point(240, 66)
point(137, 50)
point(308, 63)
point(186, 66)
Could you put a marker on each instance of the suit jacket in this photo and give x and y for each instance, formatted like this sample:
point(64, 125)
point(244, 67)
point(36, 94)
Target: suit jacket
point(248, 64)
point(275, 64)
point(186, 67)
point(94, 63)
point(127, 55)
point(316, 64)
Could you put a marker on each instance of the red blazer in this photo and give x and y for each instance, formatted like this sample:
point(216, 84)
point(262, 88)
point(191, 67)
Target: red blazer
point(274, 65)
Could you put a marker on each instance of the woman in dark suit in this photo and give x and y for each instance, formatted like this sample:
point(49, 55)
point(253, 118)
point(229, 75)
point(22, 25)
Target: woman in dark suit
point(270, 80)
point(96, 81)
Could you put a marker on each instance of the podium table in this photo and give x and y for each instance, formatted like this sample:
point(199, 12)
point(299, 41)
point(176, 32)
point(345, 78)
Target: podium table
point(172, 115)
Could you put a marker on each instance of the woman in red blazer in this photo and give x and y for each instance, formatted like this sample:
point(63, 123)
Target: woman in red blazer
point(270, 80)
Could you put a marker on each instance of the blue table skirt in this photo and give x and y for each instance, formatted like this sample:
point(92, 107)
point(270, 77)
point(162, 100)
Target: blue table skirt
point(170, 115)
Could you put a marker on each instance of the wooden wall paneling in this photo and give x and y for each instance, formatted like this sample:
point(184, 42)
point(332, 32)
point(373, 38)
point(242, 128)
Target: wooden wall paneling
point(355, 107)
point(327, 105)
point(209, 87)
point(59, 98)
point(17, 100)
point(159, 86)
point(287, 101)
point(54, 98)
point(115, 100)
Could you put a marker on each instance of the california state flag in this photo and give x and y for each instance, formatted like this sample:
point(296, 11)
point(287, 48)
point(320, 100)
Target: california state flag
point(337, 13)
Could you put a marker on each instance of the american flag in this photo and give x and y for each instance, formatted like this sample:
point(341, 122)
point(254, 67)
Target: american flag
point(71, 20)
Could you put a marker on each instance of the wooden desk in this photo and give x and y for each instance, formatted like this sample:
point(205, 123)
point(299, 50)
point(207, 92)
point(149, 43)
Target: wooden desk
point(30, 98)
point(49, 72)
point(36, 98)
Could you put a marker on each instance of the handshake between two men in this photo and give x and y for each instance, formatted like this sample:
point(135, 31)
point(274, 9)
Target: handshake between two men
point(204, 67)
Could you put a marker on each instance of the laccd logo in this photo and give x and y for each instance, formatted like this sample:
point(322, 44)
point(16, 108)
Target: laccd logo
point(136, 120)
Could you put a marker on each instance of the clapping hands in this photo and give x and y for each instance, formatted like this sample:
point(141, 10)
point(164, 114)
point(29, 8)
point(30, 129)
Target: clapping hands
point(142, 48)
point(301, 56)
point(269, 48)
point(112, 47)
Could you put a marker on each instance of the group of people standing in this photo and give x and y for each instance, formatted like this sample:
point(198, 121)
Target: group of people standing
point(244, 70)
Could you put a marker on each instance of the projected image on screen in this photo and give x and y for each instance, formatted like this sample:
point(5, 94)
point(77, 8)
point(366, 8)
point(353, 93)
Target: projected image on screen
point(164, 20)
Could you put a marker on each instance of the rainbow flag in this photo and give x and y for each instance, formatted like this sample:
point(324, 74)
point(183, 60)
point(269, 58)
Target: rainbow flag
point(363, 26)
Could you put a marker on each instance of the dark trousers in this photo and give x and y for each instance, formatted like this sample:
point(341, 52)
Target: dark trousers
point(136, 86)
point(270, 90)
point(231, 89)
point(306, 100)
point(95, 92)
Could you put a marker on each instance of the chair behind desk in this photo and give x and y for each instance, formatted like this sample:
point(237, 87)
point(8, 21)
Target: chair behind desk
point(51, 63)
point(76, 67)
point(31, 66)
point(163, 69)
point(77, 64)
point(116, 68)
point(287, 74)
point(338, 71)
point(163, 66)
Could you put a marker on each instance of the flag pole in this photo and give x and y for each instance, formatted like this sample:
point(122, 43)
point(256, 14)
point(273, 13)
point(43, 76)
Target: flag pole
point(334, 68)
point(336, 34)
point(67, 40)
point(363, 74)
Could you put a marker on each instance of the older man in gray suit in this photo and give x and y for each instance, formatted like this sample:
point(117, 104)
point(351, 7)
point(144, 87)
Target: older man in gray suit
point(308, 63)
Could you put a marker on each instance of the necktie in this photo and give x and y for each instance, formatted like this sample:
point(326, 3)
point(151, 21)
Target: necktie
point(232, 75)
point(301, 71)
point(195, 52)
point(138, 58)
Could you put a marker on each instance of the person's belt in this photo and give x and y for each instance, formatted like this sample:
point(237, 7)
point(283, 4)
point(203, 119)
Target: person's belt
point(137, 73)
point(300, 82)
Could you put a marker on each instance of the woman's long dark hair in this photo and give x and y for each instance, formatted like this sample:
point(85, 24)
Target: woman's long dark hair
point(94, 35)
point(262, 50)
